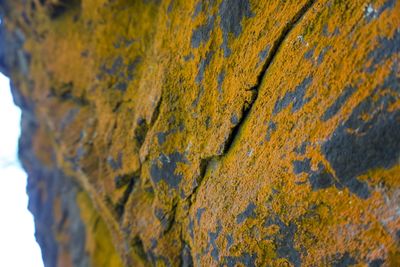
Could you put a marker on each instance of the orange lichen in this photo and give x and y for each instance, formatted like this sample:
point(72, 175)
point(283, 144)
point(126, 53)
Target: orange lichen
point(216, 131)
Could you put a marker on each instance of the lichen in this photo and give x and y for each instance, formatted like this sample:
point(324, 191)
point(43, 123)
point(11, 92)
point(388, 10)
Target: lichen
point(215, 132)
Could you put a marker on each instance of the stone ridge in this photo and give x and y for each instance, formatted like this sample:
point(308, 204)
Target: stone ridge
point(209, 133)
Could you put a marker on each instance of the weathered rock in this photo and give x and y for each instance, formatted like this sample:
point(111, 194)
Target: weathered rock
point(229, 132)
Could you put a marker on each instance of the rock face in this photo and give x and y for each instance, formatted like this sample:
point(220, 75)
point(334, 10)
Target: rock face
point(209, 133)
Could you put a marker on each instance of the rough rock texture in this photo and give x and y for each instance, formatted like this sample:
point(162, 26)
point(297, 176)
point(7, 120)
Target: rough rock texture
point(209, 133)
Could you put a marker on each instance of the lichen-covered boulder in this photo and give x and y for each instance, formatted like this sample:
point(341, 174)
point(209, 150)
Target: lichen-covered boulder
point(209, 133)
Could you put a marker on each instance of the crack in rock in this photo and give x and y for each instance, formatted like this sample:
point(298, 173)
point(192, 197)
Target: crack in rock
point(205, 163)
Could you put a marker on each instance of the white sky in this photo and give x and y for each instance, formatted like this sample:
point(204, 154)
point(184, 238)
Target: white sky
point(18, 247)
